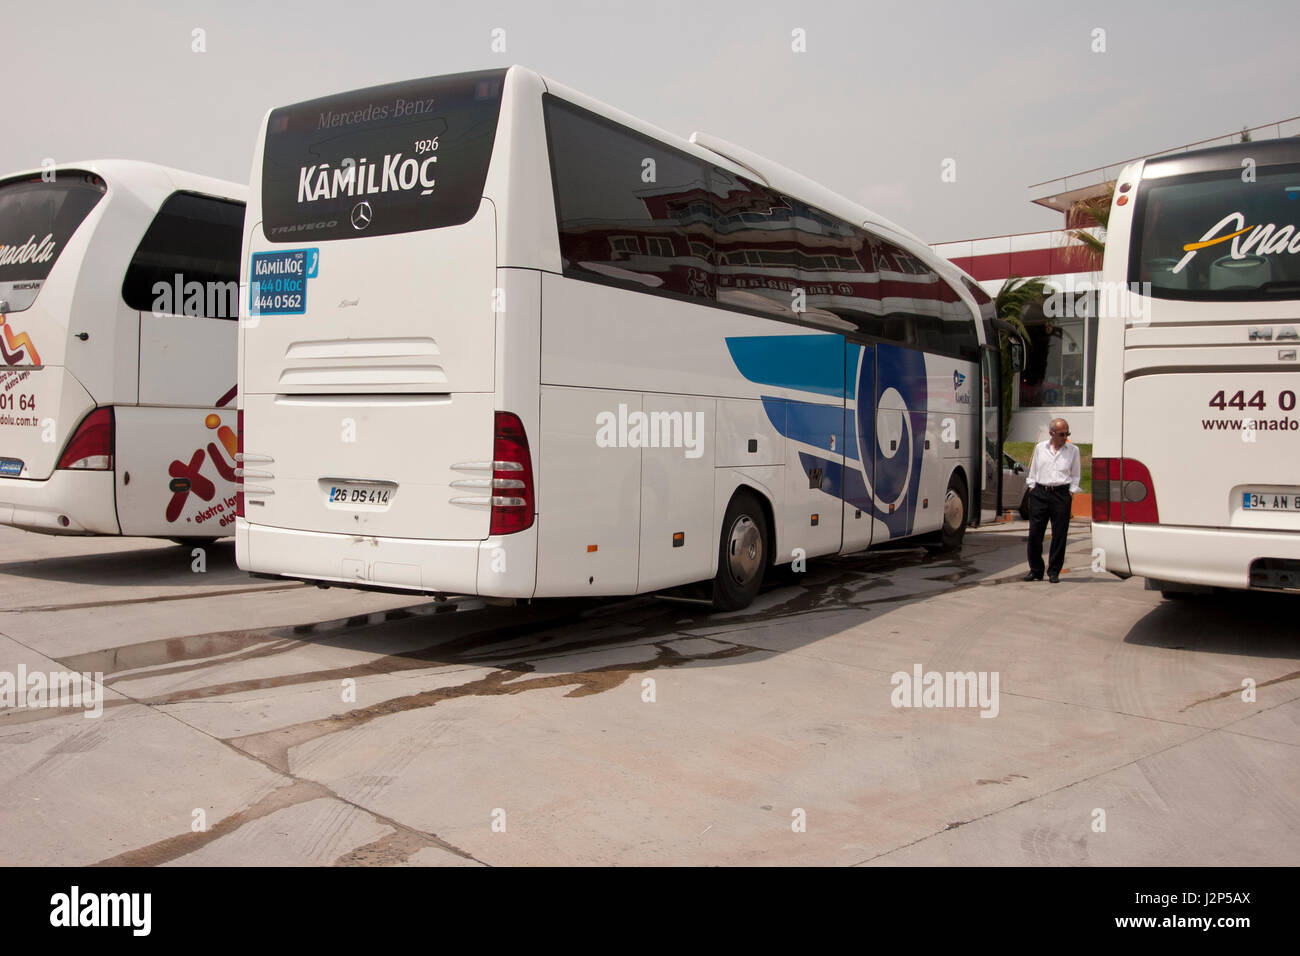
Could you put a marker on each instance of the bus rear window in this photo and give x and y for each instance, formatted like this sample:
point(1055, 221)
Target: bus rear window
point(379, 161)
point(37, 218)
point(1212, 237)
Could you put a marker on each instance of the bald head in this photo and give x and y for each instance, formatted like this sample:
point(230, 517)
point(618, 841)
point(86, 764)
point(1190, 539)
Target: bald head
point(1060, 430)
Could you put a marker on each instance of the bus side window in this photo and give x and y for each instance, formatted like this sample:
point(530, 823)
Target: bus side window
point(631, 211)
point(754, 232)
point(960, 337)
point(894, 328)
point(188, 261)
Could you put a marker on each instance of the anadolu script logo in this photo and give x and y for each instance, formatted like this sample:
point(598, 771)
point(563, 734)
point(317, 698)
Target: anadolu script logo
point(28, 252)
point(1265, 239)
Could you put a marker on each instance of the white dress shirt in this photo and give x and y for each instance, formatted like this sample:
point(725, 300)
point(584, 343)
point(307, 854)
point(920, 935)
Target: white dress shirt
point(1052, 467)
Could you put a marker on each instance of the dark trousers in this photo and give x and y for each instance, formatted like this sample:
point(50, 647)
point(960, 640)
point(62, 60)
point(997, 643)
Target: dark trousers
point(1048, 504)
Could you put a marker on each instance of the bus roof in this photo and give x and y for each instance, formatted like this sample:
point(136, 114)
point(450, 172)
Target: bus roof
point(1269, 152)
point(131, 173)
point(744, 162)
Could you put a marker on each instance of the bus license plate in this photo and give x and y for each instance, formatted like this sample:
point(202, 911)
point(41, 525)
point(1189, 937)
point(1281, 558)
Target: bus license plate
point(356, 494)
point(1271, 500)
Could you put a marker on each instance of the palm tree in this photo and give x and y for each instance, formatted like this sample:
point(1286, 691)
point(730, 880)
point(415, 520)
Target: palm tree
point(1096, 209)
point(1013, 300)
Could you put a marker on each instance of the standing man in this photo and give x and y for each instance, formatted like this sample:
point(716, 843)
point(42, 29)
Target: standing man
point(1053, 480)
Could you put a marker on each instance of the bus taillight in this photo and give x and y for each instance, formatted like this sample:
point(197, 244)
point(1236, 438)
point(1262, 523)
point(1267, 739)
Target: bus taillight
point(1122, 490)
point(1137, 492)
point(91, 445)
point(512, 476)
point(1102, 507)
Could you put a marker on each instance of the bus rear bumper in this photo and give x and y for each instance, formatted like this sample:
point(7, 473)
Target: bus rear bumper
point(1206, 557)
point(504, 567)
point(68, 502)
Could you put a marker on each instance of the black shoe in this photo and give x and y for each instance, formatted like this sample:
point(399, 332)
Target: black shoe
point(1054, 578)
point(1031, 576)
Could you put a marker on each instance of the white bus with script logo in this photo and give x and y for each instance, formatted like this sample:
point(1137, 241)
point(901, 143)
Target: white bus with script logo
point(1196, 460)
point(118, 307)
point(503, 340)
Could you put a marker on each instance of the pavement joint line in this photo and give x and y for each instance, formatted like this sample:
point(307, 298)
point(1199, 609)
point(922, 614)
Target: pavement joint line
point(157, 599)
point(1030, 799)
point(1270, 740)
point(1037, 796)
point(431, 838)
point(435, 841)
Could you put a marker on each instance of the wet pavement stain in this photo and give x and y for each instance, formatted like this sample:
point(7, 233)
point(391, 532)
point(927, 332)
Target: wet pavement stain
point(175, 847)
point(167, 650)
point(1007, 779)
point(837, 584)
point(155, 599)
point(393, 848)
point(1237, 690)
point(28, 715)
point(544, 637)
point(272, 747)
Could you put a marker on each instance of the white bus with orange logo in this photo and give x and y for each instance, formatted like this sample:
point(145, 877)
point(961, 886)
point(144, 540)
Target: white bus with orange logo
point(118, 329)
point(1196, 456)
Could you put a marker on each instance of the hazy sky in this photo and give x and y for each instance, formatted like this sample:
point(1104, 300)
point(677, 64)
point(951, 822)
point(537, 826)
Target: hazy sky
point(884, 93)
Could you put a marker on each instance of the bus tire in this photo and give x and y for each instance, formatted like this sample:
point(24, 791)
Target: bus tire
point(742, 553)
point(954, 513)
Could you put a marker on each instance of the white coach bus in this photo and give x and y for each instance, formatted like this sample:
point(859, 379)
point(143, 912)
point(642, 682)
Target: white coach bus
point(504, 340)
point(118, 333)
point(1196, 460)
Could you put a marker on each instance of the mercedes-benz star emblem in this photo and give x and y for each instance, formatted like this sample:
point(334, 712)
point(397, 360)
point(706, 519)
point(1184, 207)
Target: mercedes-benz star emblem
point(361, 215)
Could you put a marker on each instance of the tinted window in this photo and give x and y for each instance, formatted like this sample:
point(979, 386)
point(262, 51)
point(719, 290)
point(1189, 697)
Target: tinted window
point(631, 211)
point(987, 307)
point(417, 152)
point(188, 261)
point(637, 213)
point(834, 271)
point(760, 255)
point(36, 221)
point(959, 335)
point(1211, 236)
point(920, 307)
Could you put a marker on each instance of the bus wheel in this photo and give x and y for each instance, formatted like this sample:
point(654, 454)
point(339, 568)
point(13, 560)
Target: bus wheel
point(954, 513)
point(742, 555)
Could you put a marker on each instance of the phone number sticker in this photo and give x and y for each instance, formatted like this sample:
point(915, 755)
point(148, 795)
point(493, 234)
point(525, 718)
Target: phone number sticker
point(278, 281)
